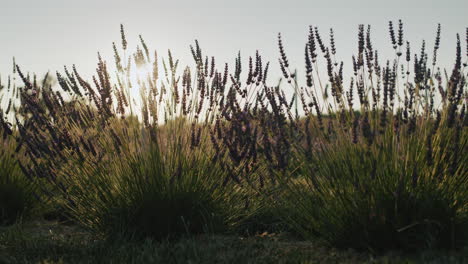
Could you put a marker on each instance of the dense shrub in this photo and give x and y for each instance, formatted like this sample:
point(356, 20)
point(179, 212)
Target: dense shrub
point(17, 195)
point(145, 172)
point(392, 175)
point(381, 198)
point(150, 191)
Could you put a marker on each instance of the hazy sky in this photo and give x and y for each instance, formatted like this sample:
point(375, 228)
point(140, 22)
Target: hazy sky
point(47, 34)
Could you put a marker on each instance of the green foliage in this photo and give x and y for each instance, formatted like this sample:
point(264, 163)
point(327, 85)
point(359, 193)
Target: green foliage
point(152, 185)
point(394, 174)
point(17, 198)
point(383, 196)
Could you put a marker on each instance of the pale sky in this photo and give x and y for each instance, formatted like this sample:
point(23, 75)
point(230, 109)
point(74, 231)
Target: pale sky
point(45, 35)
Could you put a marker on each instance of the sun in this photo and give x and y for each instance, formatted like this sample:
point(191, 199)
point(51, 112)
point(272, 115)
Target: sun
point(139, 79)
point(139, 76)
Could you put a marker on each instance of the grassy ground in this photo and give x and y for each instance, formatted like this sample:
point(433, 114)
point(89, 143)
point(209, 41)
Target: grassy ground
point(51, 242)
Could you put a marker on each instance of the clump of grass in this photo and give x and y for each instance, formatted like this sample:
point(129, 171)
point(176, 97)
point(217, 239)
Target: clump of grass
point(18, 198)
point(17, 195)
point(392, 175)
point(152, 192)
point(379, 200)
point(142, 174)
